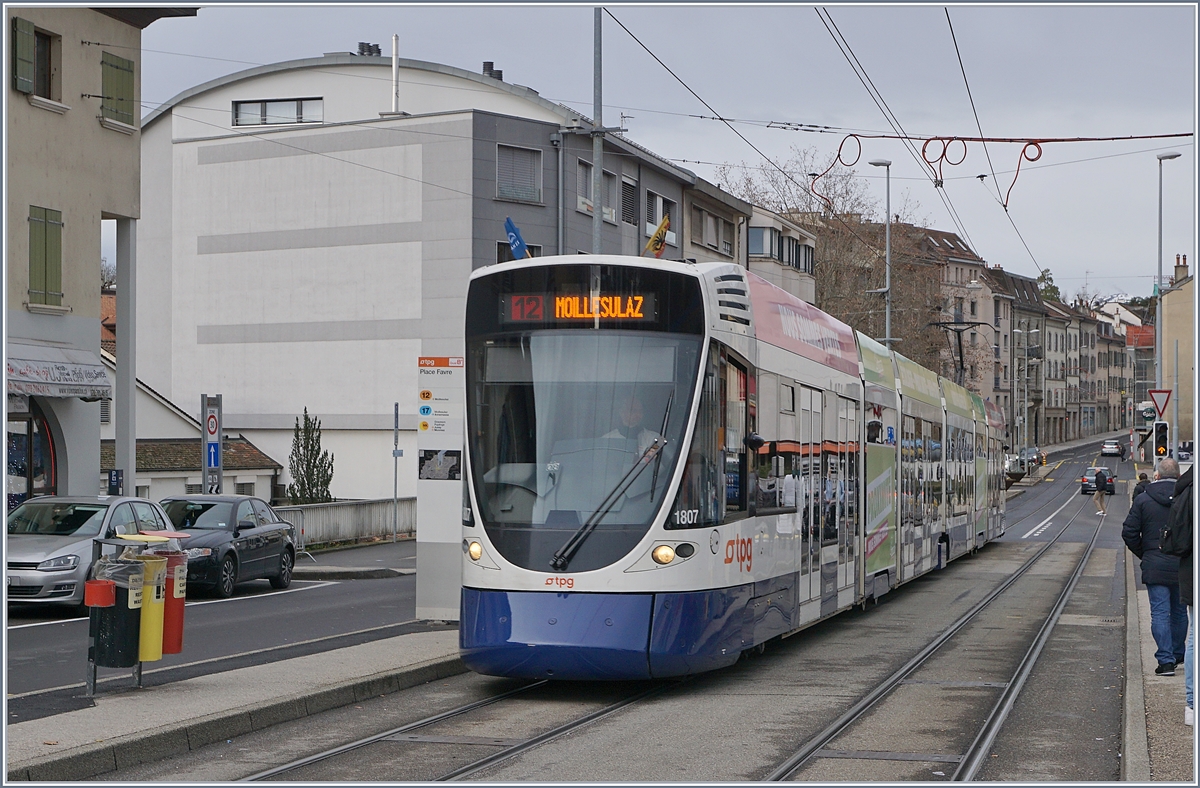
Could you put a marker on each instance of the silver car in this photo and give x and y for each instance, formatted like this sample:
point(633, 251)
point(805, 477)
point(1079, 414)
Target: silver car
point(49, 544)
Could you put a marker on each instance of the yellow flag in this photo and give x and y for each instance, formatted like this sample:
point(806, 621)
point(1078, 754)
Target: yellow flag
point(658, 241)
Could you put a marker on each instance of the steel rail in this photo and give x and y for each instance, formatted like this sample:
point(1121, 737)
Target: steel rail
point(806, 752)
point(562, 730)
point(363, 742)
point(973, 759)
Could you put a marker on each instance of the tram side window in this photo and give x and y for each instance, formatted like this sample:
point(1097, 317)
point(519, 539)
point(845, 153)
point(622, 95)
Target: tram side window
point(717, 475)
point(936, 475)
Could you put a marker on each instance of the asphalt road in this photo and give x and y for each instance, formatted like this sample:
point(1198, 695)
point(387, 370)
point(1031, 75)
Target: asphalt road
point(47, 649)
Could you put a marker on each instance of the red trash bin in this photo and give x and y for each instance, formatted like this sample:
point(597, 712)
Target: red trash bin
point(176, 593)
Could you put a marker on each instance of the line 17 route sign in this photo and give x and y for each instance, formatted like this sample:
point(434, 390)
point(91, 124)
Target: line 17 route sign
point(1160, 398)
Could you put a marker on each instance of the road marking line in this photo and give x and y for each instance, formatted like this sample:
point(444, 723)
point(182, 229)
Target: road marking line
point(318, 584)
point(218, 659)
point(1048, 519)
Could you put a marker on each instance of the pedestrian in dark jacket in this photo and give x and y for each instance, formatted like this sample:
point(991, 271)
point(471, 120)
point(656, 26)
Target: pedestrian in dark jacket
point(1143, 483)
point(1182, 506)
point(1160, 572)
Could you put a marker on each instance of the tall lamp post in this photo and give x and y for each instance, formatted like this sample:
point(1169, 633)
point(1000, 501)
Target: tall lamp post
point(887, 254)
point(1158, 337)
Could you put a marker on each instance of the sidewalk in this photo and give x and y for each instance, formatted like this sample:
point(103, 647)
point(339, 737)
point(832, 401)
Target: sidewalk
point(375, 559)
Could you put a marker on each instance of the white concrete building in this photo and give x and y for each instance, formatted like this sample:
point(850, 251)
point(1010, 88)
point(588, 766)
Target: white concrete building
point(303, 245)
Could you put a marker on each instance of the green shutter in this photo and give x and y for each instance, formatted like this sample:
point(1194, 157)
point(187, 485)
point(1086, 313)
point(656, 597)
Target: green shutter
point(37, 255)
point(24, 50)
point(54, 257)
point(117, 87)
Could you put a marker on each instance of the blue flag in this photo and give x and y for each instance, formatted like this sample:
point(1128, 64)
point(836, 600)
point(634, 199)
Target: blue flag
point(519, 250)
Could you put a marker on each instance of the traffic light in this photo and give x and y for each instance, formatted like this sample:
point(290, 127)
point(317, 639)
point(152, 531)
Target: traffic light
point(1162, 438)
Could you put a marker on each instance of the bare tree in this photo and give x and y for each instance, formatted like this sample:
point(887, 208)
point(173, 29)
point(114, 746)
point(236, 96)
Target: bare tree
point(844, 217)
point(108, 274)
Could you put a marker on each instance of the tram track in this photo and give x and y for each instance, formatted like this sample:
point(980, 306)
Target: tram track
point(508, 748)
point(971, 760)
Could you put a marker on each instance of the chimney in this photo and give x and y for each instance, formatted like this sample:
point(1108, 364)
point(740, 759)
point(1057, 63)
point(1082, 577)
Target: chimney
point(1181, 269)
point(489, 70)
point(369, 50)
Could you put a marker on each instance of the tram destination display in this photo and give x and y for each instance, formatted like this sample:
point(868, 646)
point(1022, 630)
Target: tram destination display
point(569, 307)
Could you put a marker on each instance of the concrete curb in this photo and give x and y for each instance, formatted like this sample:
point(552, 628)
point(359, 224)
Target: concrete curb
point(347, 572)
point(87, 761)
point(1135, 751)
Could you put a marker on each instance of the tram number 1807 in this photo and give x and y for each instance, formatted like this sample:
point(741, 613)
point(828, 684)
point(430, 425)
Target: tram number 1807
point(685, 516)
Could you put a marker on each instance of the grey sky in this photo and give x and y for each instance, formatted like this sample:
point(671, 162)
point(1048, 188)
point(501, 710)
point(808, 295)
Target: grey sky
point(1084, 209)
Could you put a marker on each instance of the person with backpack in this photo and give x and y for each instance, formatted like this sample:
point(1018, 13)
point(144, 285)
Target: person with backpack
point(1142, 534)
point(1177, 540)
point(1101, 488)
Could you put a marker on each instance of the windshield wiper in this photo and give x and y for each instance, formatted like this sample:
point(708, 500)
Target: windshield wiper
point(658, 458)
point(564, 554)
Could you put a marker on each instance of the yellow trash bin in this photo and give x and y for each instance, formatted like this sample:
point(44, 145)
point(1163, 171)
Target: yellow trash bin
point(154, 598)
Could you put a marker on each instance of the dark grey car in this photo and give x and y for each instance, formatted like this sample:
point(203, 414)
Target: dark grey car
point(232, 538)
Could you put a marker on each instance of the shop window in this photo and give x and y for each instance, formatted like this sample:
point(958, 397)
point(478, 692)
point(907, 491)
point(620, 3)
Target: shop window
point(31, 453)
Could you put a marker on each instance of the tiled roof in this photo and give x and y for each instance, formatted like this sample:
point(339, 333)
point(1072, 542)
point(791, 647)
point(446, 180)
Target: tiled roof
point(185, 454)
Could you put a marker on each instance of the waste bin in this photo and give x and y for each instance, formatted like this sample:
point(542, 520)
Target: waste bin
point(153, 602)
point(176, 589)
point(116, 629)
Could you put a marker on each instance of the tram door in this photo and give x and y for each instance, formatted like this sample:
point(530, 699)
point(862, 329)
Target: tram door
point(809, 490)
point(839, 498)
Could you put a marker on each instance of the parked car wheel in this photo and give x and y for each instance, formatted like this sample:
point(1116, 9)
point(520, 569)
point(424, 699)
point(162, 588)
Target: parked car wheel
point(227, 579)
point(284, 578)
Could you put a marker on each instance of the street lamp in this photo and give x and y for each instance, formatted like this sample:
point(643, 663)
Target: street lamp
point(1158, 320)
point(887, 253)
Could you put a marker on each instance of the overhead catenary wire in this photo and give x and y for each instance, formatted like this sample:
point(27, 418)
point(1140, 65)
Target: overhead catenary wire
point(979, 126)
point(877, 97)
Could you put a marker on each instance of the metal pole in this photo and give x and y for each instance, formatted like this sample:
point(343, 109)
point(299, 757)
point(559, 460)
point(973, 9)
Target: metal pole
point(395, 469)
point(1158, 354)
point(395, 72)
point(1175, 396)
point(597, 143)
point(887, 256)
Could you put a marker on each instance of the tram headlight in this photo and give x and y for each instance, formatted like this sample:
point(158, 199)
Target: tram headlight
point(663, 554)
point(475, 550)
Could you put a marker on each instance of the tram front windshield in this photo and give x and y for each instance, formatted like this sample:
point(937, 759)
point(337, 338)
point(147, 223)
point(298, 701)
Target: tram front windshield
point(576, 425)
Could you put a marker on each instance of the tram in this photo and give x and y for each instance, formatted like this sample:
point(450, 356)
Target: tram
point(669, 464)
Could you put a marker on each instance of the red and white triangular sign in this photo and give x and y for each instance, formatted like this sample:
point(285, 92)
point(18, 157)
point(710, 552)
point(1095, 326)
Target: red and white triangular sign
point(1160, 398)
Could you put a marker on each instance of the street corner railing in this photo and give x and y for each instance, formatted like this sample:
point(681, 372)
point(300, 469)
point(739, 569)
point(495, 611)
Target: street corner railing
point(350, 521)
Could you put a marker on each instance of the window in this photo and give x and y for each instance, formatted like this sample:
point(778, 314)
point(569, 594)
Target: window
point(117, 88)
point(265, 513)
point(518, 174)
point(585, 186)
point(504, 251)
point(727, 238)
point(629, 211)
point(35, 60)
point(277, 112)
point(658, 208)
point(194, 489)
point(45, 256)
point(787, 398)
point(974, 309)
point(697, 229)
point(584, 176)
point(245, 488)
point(105, 411)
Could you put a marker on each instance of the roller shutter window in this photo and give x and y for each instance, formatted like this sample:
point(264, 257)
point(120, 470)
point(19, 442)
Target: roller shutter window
point(518, 174)
point(629, 211)
point(697, 233)
point(45, 256)
point(24, 52)
point(117, 87)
